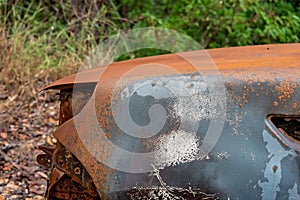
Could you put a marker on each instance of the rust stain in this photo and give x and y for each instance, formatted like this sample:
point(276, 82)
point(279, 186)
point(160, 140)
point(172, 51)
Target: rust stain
point(275, 103)
point(285, 90)
point(275, 168)
point(295, 106)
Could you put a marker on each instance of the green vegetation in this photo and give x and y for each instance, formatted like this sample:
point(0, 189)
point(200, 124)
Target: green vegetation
point(40, 37)
point(222, 23)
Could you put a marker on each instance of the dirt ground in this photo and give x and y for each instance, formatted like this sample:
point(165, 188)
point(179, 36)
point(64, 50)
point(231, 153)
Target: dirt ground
point(23, 127)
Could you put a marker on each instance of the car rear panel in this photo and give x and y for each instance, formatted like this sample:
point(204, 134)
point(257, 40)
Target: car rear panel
point(255, 156)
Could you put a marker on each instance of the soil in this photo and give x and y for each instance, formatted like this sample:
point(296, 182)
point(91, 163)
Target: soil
point(24, 125)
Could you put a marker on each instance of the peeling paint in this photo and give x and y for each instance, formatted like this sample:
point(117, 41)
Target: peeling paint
point(277, 153)
point(294, 193)
point(193, 101)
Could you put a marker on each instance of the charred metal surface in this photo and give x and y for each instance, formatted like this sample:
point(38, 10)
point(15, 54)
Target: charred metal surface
point(67, 188)
point(289, 125)
point(68, 178)
point(73, 182)
point(46, 159)
point(72, 102)
point(70, 165)
point(162, 193)
point(286, 129)
point(249, 161)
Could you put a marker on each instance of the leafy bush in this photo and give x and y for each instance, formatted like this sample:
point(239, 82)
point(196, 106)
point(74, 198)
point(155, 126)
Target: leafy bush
point(220, 23)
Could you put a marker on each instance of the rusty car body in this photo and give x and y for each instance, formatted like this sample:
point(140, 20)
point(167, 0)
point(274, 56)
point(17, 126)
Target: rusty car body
point(256, 155)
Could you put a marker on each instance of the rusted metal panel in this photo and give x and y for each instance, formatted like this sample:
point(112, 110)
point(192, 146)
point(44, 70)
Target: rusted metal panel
point(269, 56)
point(72, 102)
point(248, 161)
point(236, 164)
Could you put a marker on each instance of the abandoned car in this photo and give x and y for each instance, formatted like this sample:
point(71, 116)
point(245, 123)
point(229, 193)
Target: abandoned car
point(209, 124)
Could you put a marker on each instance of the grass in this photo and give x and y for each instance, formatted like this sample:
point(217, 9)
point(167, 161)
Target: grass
point(40, 43)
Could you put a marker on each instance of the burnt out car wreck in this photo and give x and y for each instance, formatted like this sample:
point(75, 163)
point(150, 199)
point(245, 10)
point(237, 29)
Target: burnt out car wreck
point(227, 127)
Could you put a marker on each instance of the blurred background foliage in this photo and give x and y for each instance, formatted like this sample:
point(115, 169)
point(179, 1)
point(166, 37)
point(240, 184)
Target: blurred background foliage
point(221, 23)
point(53, 36)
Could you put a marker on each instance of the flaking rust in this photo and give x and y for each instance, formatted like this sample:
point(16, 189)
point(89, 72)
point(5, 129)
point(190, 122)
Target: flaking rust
point(285, 90)
point(73, 180)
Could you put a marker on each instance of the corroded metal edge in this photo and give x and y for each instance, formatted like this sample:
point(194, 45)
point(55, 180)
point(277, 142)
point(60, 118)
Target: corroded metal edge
point(259, 56)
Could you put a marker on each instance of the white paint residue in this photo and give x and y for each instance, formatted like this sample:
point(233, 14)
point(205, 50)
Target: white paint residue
point(223, 155)
point(276, 154)
point(252, 156)
point(293, 193)
point(125, 93)
point(235, 119)
point(193, 102)
point(190, 102)
point(177, 147)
